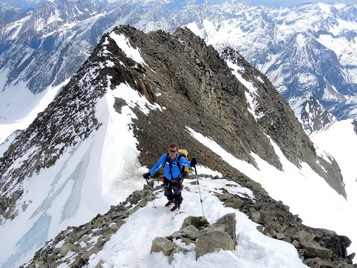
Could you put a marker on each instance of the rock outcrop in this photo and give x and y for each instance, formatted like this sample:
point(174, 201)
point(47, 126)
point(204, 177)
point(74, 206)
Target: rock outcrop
point(206, 238)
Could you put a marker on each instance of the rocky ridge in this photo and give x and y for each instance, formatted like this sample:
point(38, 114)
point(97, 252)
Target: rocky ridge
point(316, 247)
point(198, 88)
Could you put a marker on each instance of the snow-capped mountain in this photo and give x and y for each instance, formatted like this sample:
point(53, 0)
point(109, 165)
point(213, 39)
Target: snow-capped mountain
point(43, 47)
point(307, 48)
point(80, 161)
point(10, 14)
point(311, 113)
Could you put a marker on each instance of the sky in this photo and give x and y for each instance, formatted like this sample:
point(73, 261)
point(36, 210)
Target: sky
point(269, 3)
point(274, 3)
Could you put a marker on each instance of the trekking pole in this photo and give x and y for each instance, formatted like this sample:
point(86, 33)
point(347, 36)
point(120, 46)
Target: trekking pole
point(152, 190)
point(199, 192)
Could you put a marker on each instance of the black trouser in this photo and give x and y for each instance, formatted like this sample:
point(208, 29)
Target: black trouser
point(172, 191)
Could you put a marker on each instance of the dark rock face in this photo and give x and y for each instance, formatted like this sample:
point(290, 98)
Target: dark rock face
point(280, 123)
point(200, 91)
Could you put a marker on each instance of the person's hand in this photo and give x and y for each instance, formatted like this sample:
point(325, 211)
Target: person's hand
point(193, 162)
point(146, 175)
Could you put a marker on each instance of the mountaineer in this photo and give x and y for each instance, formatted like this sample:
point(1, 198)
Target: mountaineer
point(174, 164)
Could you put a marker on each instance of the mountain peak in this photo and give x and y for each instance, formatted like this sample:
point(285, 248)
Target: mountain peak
point(312, 115)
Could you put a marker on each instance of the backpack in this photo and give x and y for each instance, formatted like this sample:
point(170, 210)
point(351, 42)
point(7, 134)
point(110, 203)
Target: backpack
point(184, 153)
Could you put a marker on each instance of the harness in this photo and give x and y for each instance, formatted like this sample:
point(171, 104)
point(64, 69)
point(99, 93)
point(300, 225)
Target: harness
point(168, 160)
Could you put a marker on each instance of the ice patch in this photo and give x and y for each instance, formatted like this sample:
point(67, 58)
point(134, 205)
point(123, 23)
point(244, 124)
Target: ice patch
point(34, 238)
point(124, 44)
point(252, 93)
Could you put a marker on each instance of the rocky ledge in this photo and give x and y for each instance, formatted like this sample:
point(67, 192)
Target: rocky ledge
point(316, 247)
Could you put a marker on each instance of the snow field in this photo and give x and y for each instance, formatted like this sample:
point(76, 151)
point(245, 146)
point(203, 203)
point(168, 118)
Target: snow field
point(19, 107)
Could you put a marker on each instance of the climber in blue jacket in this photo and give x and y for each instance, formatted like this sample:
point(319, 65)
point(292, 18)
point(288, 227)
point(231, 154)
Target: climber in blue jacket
point(172, 178)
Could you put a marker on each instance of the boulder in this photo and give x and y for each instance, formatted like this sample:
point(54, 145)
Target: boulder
point(225, 224)
point(189, 231)
point(212, 241)
point(317, 263)
point(198, 222)
point(313, 250)
point(231, 200)
point(162, 244)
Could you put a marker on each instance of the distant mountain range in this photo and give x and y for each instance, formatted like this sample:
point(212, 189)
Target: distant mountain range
point(306, 50)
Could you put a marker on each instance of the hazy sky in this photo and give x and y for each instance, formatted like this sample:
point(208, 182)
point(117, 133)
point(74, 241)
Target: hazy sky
point(293, 2)
point(271, 3)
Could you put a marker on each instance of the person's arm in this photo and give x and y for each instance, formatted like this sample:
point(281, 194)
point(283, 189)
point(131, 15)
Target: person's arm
point(187, 163)
point(158, 164)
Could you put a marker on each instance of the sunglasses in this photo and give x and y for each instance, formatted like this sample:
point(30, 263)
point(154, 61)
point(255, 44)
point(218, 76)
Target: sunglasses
point(173, 151)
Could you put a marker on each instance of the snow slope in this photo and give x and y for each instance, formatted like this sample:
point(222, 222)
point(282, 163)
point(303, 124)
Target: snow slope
point(19, 107)
point(340, 140)
point(83, 183)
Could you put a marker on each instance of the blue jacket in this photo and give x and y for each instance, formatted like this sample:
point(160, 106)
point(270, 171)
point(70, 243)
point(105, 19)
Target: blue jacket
point(171, 168)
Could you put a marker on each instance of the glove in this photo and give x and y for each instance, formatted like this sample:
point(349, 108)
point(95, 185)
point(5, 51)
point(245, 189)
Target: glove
point(146, 175)
point(193, 162)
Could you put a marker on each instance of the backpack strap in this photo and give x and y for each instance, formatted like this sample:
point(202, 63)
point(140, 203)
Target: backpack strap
point(180, 168)
point(167, 159)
